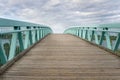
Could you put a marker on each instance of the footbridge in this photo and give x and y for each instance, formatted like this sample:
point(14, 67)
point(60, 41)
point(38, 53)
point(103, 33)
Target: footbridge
point(30, 51)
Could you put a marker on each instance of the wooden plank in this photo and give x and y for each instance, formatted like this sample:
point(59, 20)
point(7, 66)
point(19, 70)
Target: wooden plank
point(65, 57)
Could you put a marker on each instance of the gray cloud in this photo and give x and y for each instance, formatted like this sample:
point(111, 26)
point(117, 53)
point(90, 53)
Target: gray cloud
point(61, 14)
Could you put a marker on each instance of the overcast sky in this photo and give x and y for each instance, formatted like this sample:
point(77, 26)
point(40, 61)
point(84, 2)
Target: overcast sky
point(61, 14)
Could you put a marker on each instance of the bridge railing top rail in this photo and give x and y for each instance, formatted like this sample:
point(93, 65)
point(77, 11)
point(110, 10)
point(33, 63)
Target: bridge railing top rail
point(109, 25)
point(17, 36)
point(105, 35)
point(11, 23)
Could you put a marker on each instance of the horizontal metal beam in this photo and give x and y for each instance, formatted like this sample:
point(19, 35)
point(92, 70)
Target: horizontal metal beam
point(99, 35)
point(19, 39)
point(11, 23)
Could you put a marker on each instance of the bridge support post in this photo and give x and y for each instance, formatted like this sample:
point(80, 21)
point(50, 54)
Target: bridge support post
point(117, 43)
point(13, 46)
point(96, 37)
point(3, 56)
point(28, 38)
point(38, 35)
point(102, 37)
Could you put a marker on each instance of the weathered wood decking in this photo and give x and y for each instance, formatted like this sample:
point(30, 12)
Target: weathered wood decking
point(65, 57)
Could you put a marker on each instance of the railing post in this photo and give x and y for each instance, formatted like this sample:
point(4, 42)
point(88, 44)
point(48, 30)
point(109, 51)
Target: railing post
point(89, 34)
point(40, 32)
point(3, 56)
point(109, 46)
point(76, 32)
point(28, 38)
point(92, 35)
point(79, 30)
point(96, 37)
point(38, 35)
point(45, 32)
point(84, 33)
point(13, 46)
point(102, 37)
point(20, 38)
point(117, 43)
point(33, 35)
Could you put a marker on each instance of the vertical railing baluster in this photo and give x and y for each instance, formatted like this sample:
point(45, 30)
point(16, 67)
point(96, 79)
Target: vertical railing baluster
point(86, 32)
point(30, 34)
point(28, 38)
point(109, 45)
point(117, 43)
point(89, 34)
point(79, 32)
point(19, 39)
point(83, 34)
point(13, 46)
point(3, 56)
point(34, 34)
point(108, 40)
point(97, 34)
point(92, 35)
point(102, 37)
point(43, 33)
point(96, 37)
point(38, 35)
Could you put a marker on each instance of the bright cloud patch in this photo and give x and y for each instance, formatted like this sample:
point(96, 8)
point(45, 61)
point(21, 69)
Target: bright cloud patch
point(61, 14)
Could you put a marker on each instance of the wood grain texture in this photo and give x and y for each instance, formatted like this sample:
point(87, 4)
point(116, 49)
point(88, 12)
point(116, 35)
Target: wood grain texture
point(65, 57)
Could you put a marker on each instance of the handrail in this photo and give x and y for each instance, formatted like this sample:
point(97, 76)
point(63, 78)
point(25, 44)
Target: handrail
point(9, 23)
point(19, 39)
point(105, 35)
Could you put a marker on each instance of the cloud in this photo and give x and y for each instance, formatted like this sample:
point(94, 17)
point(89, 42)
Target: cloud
point(61, 14)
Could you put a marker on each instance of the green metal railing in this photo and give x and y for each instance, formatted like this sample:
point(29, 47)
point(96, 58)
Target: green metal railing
point(106, 35)
point(16, 36)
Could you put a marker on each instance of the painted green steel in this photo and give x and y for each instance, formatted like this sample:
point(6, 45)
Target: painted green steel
point(34, 36)
point(3, 56)
point(101, 39)
point(108, 40)
point(96, 38)
point(21, 38)
point(117, 42)
point(37, 35)
point(11, 23)
point(27, 40)
point(99, 34)
point(13, 46)
point(20, 41)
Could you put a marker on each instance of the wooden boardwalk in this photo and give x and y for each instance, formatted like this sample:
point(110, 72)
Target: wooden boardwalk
point(65, 57)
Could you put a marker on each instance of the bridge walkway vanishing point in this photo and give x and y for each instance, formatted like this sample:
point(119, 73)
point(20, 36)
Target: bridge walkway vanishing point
point(65, 57)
